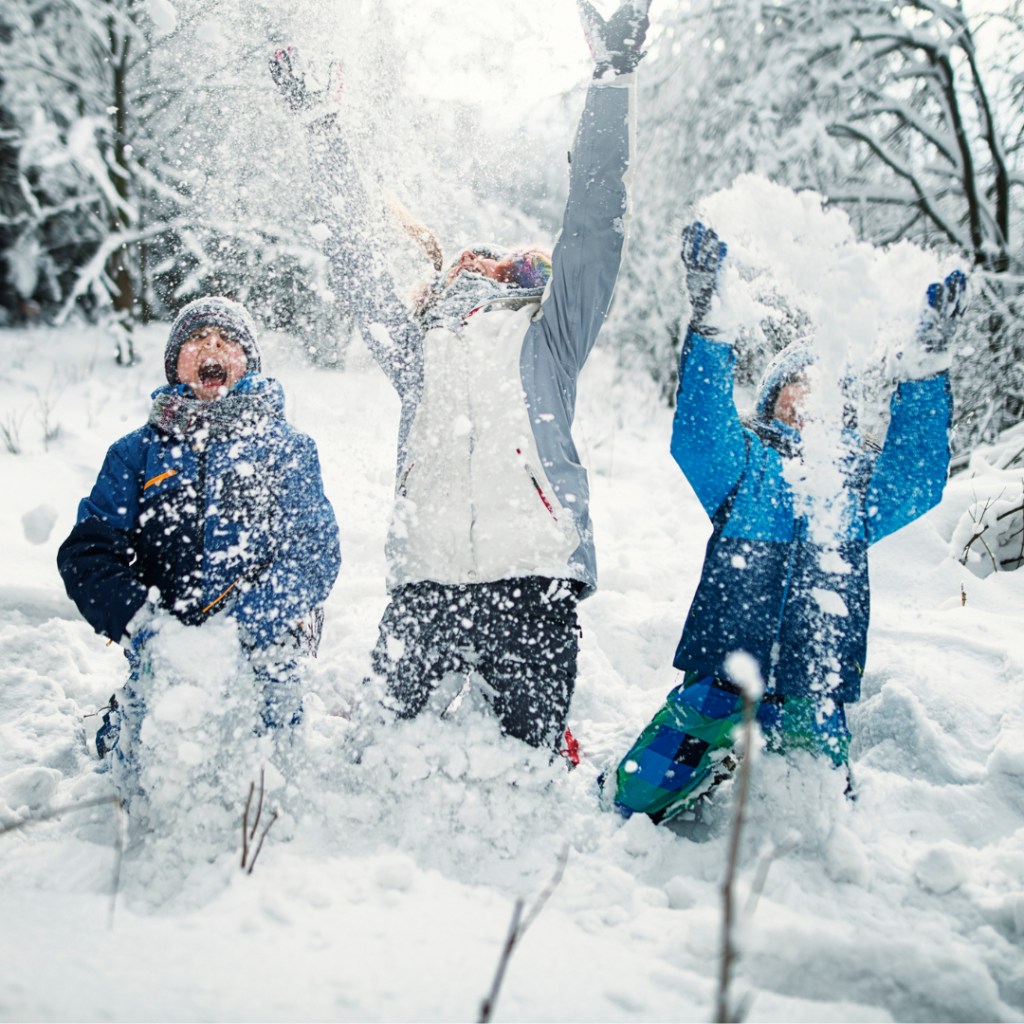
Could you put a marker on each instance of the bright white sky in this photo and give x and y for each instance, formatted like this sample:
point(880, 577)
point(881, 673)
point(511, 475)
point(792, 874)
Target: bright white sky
point(502, 56)
point(486, 50)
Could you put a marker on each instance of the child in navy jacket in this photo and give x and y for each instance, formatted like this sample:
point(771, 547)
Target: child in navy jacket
point(772, 585)
point(215, 506)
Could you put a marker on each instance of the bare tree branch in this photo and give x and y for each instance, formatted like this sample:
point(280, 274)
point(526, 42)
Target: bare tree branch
point(922, 201)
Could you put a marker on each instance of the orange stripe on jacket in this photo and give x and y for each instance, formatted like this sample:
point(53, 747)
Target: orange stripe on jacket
point(258, 568)
point(161, 478)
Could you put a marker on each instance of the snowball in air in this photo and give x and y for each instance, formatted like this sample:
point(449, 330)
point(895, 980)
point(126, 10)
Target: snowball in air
point(38, 522)
point(163, 16)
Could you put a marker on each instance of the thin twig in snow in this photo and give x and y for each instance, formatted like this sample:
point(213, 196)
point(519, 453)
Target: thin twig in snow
point(263, 835)
point(995, 564)
point(516, 931)
point(774, 854)
point(259, 809)
point(9, 430)
point(978, 533)
point(487, 1007)
point(249, 834)
point(116, 884)
point(743, 783)
point(245, 825)
point(563, 859)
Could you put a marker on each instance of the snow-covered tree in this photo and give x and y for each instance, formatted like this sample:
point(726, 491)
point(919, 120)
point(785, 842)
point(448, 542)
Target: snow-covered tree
point(155, 161)
point(122, 114)
point(906, 113)
point(75, 81)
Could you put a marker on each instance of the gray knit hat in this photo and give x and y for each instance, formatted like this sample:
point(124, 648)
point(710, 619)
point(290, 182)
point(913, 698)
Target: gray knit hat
point(216, 311)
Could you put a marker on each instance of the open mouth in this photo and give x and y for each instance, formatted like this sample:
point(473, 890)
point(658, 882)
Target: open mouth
point(212, 374)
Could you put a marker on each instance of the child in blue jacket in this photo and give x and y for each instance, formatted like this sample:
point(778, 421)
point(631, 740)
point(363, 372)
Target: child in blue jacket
point(772, 585)
point(215, 506)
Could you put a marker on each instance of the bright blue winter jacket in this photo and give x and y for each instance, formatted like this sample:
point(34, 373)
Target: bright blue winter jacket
point(237, 523)
point(766, 588)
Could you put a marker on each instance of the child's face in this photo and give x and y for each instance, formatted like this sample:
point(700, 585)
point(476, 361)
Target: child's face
point(210, 364)
point(790, 406)
point(497, 270)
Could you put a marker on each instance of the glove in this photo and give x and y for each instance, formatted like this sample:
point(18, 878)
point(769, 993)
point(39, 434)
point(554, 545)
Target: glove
point(615, 43)
point(308, 97)
point(946, 302)
point(930, 350)
point(702, 254)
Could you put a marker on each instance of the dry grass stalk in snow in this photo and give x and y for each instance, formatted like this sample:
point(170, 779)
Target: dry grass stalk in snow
point(249, 834)
point(517, 930)
point(743, 670)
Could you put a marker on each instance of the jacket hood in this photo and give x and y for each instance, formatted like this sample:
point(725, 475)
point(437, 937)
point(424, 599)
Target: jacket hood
point(784, 368)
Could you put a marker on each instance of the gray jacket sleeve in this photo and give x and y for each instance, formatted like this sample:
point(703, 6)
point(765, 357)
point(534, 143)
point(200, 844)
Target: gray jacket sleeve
point(587, 254)
point(361, 276)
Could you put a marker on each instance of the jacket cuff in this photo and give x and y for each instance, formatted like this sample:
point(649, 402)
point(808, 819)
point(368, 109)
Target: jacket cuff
point(916, 363)
point(142, 618)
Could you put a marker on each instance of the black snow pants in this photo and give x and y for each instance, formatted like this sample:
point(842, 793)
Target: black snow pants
point(520, 635)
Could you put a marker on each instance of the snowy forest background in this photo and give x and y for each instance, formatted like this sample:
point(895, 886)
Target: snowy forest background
point(144, 159)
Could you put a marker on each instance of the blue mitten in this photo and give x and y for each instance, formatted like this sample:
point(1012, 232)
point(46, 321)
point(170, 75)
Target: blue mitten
point(703, 254)
point(615, 43)
point(931, 349)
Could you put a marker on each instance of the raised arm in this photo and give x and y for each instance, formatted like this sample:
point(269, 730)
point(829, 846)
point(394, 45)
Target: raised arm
point(910, 473)
point(586, 258)
point(361, 276)
point(708, 440)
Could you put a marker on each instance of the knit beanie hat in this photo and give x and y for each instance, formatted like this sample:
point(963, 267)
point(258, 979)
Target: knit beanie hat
point(231, 317)
point(532, 267)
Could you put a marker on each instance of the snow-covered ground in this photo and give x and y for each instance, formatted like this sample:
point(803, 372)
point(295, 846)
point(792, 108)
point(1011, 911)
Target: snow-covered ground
point(388, 893)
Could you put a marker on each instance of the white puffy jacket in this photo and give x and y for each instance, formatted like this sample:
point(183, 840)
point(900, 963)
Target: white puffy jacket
point(489, 485)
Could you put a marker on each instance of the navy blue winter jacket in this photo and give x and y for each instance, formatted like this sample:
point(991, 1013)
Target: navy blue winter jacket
point(231, 518)
point(800, 608)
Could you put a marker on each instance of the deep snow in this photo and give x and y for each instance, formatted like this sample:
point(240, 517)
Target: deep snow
point(387, 891)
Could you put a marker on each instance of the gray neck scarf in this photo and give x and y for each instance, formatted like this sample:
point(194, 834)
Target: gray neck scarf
point(467, 293)
point(235, 415)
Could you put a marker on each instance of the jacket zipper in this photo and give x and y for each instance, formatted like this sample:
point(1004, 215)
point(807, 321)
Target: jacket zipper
point(529, 470)
point(200, 487)
point(785, 589)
